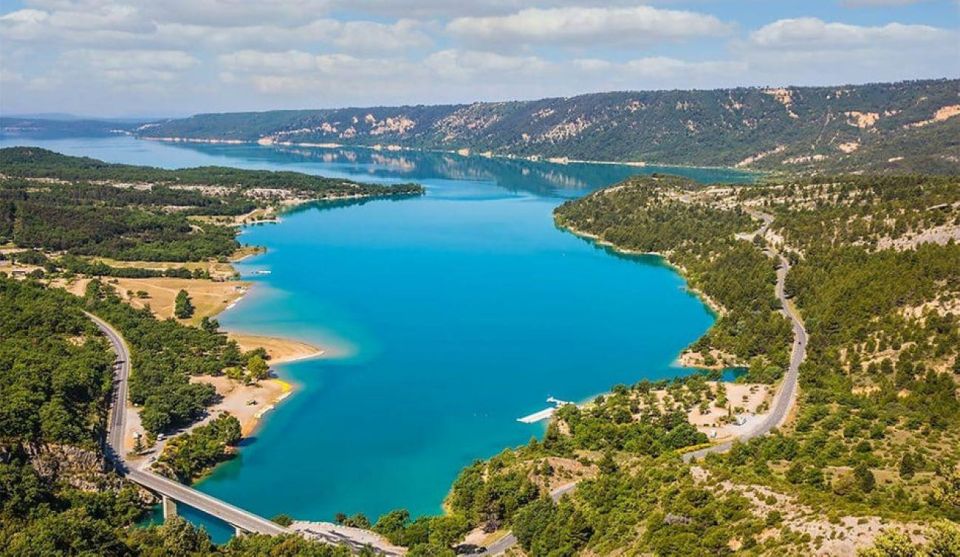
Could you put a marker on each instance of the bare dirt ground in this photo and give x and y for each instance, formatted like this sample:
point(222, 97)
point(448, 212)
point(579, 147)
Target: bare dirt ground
point(280, 350)
point(248, 403)
point(694, 359)
point(745, 399)
point(563, 471)
point(208, 297)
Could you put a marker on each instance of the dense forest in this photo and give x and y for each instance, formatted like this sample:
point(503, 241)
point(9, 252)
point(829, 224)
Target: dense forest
point(33, 162)
point(901, 127)
point(165, 355)
point(56, 370)
point(876, 277)
point(88, 207)
point(56, 496)
point(874, 441)
point(59, 126)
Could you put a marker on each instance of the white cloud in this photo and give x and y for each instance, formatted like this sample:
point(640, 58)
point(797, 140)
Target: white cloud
point(22, 25)
point(215, 55)
point(129, 66)
point(211, 13)
point(431, 9)
point(350, 36)
point(368, 36)
point(113, 18)
point(663, 68)
point(640, 24)
point(811, 51)
point(460, 75)
point(465, 65)
point(125, 27)
point(811, 33)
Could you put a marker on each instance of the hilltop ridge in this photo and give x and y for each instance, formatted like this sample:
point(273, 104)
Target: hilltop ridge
point(882, 127)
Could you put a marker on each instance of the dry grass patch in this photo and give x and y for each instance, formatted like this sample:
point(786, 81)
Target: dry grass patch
point(208, 297)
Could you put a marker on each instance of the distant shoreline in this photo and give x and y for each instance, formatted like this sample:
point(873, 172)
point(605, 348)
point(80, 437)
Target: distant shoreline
point(457, 152)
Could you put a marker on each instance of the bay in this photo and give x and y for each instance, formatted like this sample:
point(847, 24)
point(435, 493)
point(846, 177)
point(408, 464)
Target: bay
point(445, 318)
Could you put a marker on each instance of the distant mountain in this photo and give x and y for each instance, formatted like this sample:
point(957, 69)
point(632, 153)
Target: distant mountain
point(907, 126)
point(61, 125)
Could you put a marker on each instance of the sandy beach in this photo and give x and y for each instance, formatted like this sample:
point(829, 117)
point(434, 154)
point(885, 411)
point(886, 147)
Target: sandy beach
point(248, 403)
point(280, 350)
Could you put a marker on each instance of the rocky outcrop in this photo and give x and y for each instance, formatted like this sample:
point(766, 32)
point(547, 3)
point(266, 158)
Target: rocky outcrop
point(77, 467)
point(80, 468)
point(854, 128)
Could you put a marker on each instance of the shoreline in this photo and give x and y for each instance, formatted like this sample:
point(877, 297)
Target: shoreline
point(687, 358)
point(458, 152)
point(281, 351)
point(715, 308)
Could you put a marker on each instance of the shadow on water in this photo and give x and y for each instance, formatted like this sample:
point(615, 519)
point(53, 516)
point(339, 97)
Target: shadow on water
point(330, 205)
point(649, 259)
point(219, 530)
point(247, 441)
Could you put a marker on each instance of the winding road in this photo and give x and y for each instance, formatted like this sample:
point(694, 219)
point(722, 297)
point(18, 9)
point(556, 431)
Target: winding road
point(787, 393)
point(240, 519)
point(246, 521)
point(156, 483)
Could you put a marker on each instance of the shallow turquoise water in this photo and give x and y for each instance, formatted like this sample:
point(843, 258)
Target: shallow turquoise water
point(450, 316)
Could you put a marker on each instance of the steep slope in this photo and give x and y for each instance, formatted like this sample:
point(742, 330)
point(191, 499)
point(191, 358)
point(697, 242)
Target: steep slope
point(876, 127)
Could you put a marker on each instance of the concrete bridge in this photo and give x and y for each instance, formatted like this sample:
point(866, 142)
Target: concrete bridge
point(173, 493)
point(169, 491)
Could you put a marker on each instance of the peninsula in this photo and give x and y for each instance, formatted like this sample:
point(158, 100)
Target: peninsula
point(162, 242)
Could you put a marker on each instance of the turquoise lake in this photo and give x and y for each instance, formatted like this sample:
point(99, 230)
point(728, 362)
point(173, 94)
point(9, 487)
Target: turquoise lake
point(447, 317)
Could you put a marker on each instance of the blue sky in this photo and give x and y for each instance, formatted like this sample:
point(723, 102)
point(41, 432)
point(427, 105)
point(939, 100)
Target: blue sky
point(176, 57)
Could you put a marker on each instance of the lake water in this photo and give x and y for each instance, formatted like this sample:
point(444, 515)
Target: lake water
point(447, 318)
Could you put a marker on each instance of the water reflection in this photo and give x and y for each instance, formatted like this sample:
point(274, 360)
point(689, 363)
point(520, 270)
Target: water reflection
point(550, 179)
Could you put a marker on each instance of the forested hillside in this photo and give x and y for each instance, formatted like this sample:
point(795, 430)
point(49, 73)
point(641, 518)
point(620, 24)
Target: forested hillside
point(868, 462)
point(874, 444)
point(88, 207)
point(58, 493)
point(57, 126)
point(57, 496)
point(899, 127)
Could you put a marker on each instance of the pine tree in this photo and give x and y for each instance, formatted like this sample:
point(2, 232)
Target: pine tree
point(183, 307)
point(258, 368)
point(907, 466)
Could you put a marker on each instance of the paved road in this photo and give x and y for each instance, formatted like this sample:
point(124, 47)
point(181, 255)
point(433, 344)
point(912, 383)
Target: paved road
point(154, 482)
point(787, 393)
point(115, 426)
point(508, 541)
point(230, 514)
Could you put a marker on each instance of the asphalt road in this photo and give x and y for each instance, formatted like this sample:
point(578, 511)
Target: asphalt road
point(235, 516)
point(787, 393)
point(783, 402)
point(115, 426)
